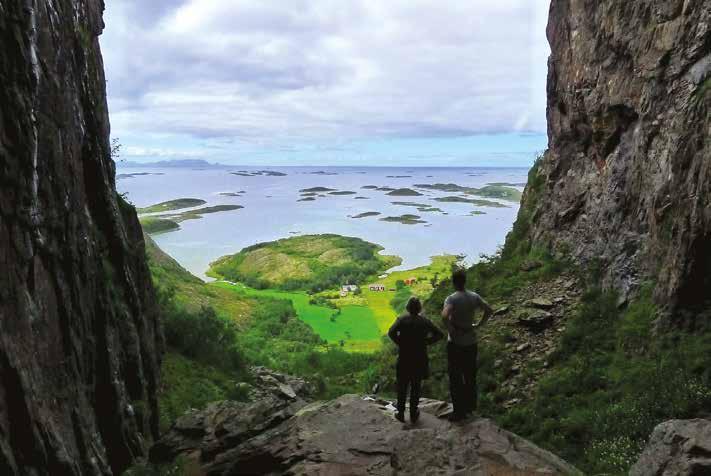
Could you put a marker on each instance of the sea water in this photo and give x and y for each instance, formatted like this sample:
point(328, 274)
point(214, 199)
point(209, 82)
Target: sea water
point(272, 209)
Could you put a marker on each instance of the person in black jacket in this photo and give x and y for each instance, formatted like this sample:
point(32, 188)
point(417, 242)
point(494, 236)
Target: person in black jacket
point(412, 333)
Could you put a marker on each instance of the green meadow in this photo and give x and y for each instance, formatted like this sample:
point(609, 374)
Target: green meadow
point(355, 326)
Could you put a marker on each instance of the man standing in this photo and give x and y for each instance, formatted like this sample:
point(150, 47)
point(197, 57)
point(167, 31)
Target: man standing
point(458, 316)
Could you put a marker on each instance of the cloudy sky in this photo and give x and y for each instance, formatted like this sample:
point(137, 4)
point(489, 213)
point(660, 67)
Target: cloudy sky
point(370, 82)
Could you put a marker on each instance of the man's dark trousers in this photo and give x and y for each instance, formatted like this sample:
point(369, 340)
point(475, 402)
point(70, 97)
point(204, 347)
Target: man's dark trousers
point(461, 362)
point(415, 385)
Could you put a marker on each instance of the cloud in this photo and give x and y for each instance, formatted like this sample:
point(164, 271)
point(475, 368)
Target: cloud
point(269, 71)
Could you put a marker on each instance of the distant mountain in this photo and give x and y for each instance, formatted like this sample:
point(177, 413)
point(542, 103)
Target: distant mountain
point(186, 163)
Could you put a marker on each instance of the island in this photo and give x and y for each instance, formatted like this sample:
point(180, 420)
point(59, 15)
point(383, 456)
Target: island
point(366, 215)
point(171, 205)
point(488, 191)
point(308, 263)
point(473, 201)
point(406, 219)
point(404, 192)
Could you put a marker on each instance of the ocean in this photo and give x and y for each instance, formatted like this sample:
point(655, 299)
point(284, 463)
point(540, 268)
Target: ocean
point(272, 209)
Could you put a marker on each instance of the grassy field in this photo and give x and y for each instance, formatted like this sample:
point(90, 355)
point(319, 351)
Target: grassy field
point(309, 262)
point(359, 321)
point(356, 326)
point(380, 301)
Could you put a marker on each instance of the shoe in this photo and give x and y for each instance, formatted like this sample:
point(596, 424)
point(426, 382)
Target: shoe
point(454, 417)
point(414, 416)
point(400, 416)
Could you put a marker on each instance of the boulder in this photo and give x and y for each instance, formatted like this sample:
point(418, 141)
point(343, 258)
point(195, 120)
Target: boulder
point(677, 448)
point(537, 322)
point(357, 435)
point(540, 303)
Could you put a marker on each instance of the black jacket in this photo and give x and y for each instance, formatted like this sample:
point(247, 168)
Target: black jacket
point(413, 334)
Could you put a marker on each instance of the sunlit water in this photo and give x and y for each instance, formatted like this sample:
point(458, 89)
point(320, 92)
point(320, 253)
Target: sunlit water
point(272, 210)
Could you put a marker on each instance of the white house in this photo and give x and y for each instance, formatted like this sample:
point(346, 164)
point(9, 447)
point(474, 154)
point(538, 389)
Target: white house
point(376, 287)
point(349, 288)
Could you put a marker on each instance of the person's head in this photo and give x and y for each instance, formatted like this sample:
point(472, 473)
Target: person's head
point(414, 306)
point(459, 279)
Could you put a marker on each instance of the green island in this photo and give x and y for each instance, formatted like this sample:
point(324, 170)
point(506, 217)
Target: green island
point(317, 190)
point(199, 212)
point(309, 262)
point(474, 201)
point(366, 215)
point(496, 190)
point(170, 222)
point(421, 207)
point(404, 192)
point(406, 219)
point(171, 205)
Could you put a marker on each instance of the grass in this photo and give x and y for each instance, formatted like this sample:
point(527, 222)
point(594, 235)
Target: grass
point(191, 292)
point(354, 325)
point(187, 384)
point(309, 262)
point(171, 205)
point(154, 225)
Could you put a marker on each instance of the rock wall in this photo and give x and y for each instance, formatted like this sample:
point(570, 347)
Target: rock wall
point(627, 176)
point(79, 334)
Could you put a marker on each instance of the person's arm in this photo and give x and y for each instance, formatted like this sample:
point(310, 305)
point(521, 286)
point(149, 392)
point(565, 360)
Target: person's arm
point(394, 332)
point(435, 334)
point(446, 312)
point(487, 314)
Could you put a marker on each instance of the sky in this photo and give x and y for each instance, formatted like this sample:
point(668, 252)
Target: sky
point(328, 82)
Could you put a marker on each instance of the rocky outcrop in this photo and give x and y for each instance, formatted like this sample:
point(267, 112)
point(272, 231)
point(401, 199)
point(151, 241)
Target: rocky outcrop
point(79, 335)
point(627, 176)
point(279, 433)
point(677, 448)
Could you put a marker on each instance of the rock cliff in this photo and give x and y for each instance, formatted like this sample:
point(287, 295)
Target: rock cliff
point(280, 432)
point(627, 176)
point(79, 335)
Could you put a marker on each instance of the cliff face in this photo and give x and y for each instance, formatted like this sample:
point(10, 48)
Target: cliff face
point(627, 177)
point(79, 335)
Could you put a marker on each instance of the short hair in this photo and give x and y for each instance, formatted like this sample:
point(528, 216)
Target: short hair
point(459, 278)
point(414, 306)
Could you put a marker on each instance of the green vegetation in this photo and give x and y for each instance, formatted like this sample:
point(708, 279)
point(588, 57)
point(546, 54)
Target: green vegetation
point(404, 192)
point(366, 215)
point(317, 190)
point(612, 382)
point(406, 219)
point(494, 190)
point(342, 192)
point(309, 262)
point(199, 212)
point(171, 205)
point(421, 207)
point(352, 327)
point(473, 201)
point(153, 225)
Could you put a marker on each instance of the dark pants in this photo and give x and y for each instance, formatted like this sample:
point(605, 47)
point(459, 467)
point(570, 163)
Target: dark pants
point(461, 364)
point(415, 385)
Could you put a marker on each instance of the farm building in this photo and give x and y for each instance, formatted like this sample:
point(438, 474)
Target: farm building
point(376, 287)
point(349, 288)
point(410, 281)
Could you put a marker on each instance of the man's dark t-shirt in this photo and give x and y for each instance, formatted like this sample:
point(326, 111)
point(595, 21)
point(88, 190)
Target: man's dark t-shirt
point(413, 334)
